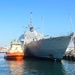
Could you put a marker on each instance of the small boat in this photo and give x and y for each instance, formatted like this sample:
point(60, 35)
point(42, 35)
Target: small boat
point(15, 51)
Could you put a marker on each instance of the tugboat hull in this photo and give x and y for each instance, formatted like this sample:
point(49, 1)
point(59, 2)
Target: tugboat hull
point(15, 55)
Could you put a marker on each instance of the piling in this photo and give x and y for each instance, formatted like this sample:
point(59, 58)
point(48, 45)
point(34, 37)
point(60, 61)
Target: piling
point(69, 57)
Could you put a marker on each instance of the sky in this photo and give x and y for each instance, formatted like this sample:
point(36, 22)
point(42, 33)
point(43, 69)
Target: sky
point(14, 14)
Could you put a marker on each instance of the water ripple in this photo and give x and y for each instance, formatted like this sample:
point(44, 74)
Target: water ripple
point(36, 67)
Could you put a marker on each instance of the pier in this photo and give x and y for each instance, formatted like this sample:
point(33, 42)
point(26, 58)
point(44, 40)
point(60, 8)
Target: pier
point(4, 49)
point(70, 55)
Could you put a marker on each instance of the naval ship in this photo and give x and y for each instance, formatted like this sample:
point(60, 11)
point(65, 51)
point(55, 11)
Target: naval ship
point(37, 45)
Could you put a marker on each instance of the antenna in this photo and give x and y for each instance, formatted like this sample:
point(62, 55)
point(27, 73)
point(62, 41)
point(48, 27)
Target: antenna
point(73, 39)
point(71, 23)
point(30, 18)
point(25, 27)
point(42, 24)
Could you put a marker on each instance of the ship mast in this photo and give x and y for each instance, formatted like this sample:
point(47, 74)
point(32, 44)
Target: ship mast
point(72, 31)
point(42, 24)
point(30, 18)
point(30, 26)
point(71, 23)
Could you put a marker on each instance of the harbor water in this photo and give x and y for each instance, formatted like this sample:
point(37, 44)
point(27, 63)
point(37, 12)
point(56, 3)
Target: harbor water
point(36, 67)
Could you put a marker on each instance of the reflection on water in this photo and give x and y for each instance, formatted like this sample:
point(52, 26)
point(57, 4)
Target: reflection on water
point(16, 67)
point(69, 67)
point(36, 67)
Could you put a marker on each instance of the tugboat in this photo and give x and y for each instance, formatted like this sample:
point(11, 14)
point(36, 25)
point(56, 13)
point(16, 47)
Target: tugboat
point(15, 51)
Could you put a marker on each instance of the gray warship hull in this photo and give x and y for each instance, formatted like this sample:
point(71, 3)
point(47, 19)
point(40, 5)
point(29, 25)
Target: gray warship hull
point(53, 48)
